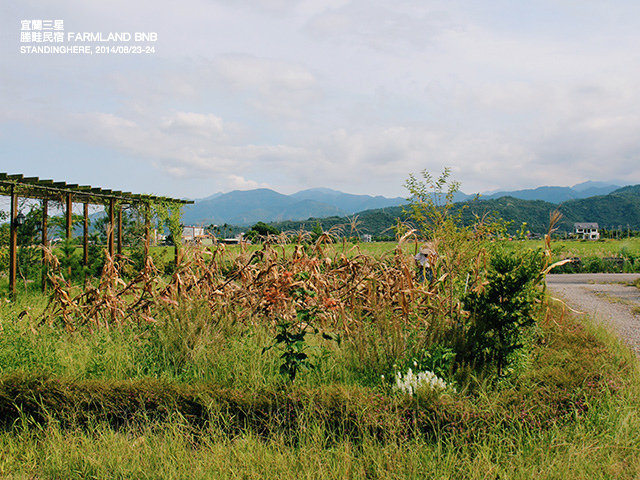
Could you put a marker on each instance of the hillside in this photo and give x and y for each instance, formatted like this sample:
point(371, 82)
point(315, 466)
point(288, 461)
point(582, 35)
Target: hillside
point(345, 201)
point(620, 208)
point(514, 210)
point(251, 206)
point(247, 207)
point(557, 194)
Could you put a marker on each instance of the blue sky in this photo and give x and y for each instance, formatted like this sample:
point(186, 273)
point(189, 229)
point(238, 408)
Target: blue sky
point(347, 94)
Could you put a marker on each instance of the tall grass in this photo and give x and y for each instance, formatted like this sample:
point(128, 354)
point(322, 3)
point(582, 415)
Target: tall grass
point(149, 376)
point(602, 441)
point(570, 410)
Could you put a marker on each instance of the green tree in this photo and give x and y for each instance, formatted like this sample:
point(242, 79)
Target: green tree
point(260, 231)
point(58, 224)
point(483, 299)
point(316, 232)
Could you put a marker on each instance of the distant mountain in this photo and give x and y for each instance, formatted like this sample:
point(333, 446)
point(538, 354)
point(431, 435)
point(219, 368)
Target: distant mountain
point(309, 208)
point(558, 194)
point(247, 207)
point(618, 209)
point(347, 202)
point(251, 206)
point(581, 187)
point(210, 197)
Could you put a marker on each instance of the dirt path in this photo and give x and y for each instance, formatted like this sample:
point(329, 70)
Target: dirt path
point(610, 298)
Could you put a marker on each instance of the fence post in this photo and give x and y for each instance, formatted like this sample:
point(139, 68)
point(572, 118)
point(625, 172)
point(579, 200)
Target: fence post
point(45, 241)
point(147, 231)
point(69, 228)
point(13, 242)
point(120, 229)
point(110, 230)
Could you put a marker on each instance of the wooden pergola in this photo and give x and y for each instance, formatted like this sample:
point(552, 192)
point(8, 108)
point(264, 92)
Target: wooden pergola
point(18, 186)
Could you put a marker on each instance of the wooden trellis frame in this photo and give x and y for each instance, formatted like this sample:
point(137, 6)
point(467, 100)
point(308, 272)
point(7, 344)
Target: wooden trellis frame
point(18, 186)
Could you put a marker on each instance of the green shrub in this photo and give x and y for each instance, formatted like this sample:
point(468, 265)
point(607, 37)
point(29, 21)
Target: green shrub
point(502, 308)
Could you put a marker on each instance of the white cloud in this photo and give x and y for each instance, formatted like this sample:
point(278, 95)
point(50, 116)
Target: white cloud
point(275, 88)
point(236, 182)
point(204, 125)
point(330, 24)
point(396, 28)
point(181, 146)
point(271, 6)
point(350, 94)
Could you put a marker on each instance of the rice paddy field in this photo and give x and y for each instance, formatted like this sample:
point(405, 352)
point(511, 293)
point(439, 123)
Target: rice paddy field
point(561, 248)
point(322, 360)
point(601, 248)
point(606, 255)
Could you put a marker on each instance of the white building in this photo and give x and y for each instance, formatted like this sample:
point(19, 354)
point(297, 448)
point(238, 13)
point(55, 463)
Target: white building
point(586, 231)
point(192, 234)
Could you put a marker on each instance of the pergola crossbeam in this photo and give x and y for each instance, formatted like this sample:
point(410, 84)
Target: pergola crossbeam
point(17, 185)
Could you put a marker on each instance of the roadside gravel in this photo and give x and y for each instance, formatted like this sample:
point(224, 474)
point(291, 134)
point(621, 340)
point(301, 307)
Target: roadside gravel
point(609, 298)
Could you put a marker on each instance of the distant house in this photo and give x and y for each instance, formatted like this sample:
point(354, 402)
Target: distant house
point(192, 235)
point(237, 240)
point(586, 231)
point(229, 241)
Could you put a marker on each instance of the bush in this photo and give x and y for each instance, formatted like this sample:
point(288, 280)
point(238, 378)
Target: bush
point(484, 298)
point(502, 308)
point(461, 249)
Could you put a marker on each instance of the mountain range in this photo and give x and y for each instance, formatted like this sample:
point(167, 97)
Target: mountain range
point(617, 211)
point(247, 207)
point(557, 194)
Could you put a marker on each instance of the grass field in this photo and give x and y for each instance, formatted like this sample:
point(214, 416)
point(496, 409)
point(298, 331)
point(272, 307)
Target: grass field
point(560, 248)
point(571, 411)
point(182, 377)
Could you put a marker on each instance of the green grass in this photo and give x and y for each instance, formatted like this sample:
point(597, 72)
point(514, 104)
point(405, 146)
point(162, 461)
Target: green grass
point(561, 249)
point(607, 255)
point(215, 407)
point(194, 395)
point(579, 248)
point(162, 452)
point(564, 248)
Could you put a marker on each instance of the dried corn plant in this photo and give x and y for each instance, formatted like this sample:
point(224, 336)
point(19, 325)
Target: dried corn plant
point(344, 289)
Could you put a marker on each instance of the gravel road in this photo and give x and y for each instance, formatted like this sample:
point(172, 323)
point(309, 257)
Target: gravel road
point(609, 298)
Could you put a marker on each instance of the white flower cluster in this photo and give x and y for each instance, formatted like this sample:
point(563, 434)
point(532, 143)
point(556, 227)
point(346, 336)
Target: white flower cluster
point(412, 382)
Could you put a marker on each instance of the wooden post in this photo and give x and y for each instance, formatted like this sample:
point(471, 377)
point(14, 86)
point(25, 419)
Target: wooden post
point(69, 218)
point(176, 242)
point(13, 242)
point(69, 229)
point(45, 243)
point(85, 240)
point(111, 226)
point(147, 231)
point(120, 230)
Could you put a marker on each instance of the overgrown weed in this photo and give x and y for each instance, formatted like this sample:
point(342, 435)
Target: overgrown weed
point(122, 366)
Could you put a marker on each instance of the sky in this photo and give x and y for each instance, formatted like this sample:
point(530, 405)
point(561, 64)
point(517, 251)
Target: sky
point(353, 95)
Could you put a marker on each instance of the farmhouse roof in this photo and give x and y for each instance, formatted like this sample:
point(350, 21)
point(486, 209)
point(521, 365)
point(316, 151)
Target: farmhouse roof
point(586, 225)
